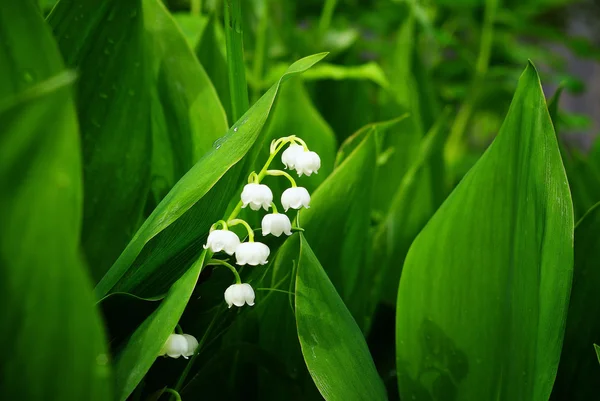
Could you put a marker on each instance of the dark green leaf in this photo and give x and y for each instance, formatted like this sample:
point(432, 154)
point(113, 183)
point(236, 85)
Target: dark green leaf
point(578, 376)
point(187, 116)
point(333, 346)
point(497, 259)
point(184, 197)
point(142, 349)
point(104, 42)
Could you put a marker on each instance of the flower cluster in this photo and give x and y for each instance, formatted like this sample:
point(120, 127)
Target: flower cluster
point(179, 345)
point(255, 195)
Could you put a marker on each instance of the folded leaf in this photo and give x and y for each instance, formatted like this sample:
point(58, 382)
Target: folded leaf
point(484, 290)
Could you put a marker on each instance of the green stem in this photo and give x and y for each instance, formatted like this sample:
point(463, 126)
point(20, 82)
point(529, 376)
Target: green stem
point(195, 7)
point(188, 367)
point(274, 208)
point(454, 146)
point(259, 50)
point(235, 222)
point(235, 58)
point(218, 262)
point(275, 290)
point(174, 393)
point(260, 176)
point(282, 173)
point(223, 224)
point(178, 329)
point(326, 15)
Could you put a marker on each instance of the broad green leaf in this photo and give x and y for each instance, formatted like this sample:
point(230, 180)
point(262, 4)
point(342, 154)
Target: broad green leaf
point(187, 116)
point(142, 349)
point(370, 71)
point(55, 345)
point(337, 224)
point(25, 63)
point(104, 41)
point(484, 290)
point(333, 346)
point(578, 376)
point(188, 199)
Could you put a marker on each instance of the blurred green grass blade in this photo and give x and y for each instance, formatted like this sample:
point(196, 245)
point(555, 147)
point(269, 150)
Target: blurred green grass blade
point(341, 204)
point(484, 290)
point(212, 54)
point(185, 197)
point(25, 63)
point(187, 116)
point(235, 57)
point(411, 206)
point(48, 314)
point(370, 71)
point(104, 41)
point(597, 348)
point(333, 346)
point(578, 376)
point(133, 362)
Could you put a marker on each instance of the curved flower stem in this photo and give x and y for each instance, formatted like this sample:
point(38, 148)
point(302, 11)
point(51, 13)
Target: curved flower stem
point(283, 173)
point(274, 208)
point(274, 289)
point(178, 329)
point(174, 393)
point(235, 222)
point(223, 224)
point(300, 141)
point(260, 176)
point(298, 220)
point(253, 178)
point(218, 262)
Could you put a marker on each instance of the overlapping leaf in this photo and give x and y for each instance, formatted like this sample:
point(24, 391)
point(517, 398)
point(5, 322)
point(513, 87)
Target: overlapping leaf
point(104, 42)
point(497, 259)
point(578, 373)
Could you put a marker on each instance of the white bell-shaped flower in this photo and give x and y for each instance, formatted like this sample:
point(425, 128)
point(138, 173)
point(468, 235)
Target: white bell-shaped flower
point(192, 344)
point(289, 156)
point(257, 196)
point(276, 224)
point(295, 198)
point(239, 294)
point(175, 346)
point(307, 163)
point(252, 253)
point(222, 240)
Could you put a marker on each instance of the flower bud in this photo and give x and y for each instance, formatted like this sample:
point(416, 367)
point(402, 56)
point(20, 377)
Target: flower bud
point(257, 196)
point(276, 224)
point(219, 240)
point(252, 253)
point(239, 294)
point(289, 156)
point(307, 163)
point(175, 346)
point(295, 198)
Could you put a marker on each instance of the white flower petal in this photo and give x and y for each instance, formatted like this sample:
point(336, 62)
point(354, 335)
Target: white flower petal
point(289, 156)
point(239, 294)
point(192, 344)
point(252, 253)
point(219, 240)
point(276, 224)
point(175, 346)
point(257, 196)
point(295, 198)
point(307, 163)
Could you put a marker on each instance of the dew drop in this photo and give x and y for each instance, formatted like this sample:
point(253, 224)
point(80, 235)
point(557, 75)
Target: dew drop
point(235, 129)
point(28, 76)
point(219, 142)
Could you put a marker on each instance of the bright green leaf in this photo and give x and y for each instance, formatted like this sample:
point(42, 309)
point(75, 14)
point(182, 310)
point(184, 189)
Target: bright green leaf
point(333, 346)
point(183, 200)
point(142, 349)
point(484, 290)
point(578, 376)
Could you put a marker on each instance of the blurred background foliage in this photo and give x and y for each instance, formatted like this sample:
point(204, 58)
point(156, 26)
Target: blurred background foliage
point(443, 68)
